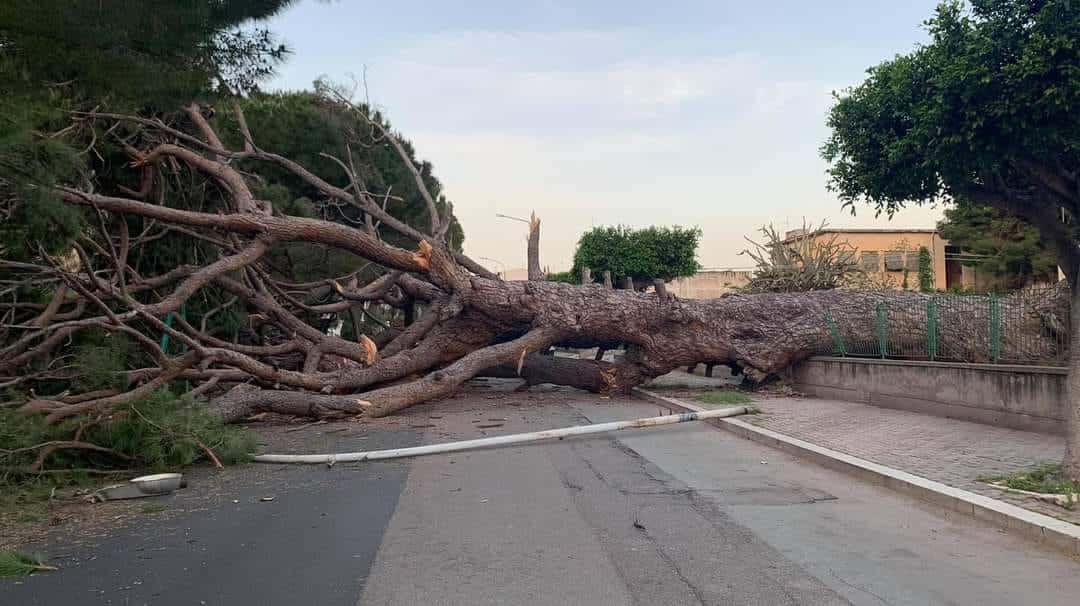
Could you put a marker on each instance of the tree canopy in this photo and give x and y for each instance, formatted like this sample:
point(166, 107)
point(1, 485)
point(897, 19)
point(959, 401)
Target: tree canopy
point(640, 254)
point(331, 128)
point(151, 56)
point(986, 111)
point(1009, 250)
point(145, 51)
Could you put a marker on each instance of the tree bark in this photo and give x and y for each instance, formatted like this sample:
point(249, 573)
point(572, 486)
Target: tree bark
point(533, 249)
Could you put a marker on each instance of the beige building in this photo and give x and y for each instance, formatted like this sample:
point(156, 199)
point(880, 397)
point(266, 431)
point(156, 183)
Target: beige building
point(885, 254)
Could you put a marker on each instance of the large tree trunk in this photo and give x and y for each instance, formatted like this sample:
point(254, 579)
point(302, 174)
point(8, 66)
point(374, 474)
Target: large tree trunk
point(533, 249)
point(473, 323)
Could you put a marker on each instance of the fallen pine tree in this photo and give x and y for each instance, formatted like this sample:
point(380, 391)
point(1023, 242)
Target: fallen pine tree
point(473, 322)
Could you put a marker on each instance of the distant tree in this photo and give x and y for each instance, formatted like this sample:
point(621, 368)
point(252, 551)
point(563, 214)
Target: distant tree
point(1008, 249)
point(566, 277)
point(640, 254)
point(986, 111)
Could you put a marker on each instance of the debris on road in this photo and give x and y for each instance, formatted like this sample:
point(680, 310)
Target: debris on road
point(137, 488)
point(519, 438)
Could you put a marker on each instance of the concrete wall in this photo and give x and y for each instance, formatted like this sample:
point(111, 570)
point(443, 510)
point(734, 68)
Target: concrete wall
point(1021, 397)
point(709, 284)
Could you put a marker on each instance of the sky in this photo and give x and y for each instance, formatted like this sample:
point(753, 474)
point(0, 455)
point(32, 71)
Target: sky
point(600, 112)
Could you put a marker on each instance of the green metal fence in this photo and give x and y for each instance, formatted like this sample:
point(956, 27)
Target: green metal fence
point(1025, 327)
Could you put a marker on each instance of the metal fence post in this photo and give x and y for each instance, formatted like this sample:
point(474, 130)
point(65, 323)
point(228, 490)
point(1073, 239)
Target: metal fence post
point(931, 328)
point(879, 328)
point(837, 338)
point(995, 328)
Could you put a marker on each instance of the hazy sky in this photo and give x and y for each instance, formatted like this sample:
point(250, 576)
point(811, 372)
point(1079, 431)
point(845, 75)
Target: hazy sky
point(604, 111)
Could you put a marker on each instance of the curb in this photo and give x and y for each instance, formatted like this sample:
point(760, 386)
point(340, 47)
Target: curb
point(1051, 532)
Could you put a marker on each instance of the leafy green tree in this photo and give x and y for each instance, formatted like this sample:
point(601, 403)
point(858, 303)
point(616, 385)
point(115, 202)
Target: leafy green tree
point(147, 52)
point(640, 254)
point(986, 112)
point(149, 56)
point(1008, 249)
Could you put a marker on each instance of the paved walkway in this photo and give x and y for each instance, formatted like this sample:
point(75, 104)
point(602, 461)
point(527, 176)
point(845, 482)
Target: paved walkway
point(949, 451)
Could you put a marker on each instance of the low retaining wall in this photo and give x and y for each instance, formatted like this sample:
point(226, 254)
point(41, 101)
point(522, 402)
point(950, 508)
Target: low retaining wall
point(1020, 397)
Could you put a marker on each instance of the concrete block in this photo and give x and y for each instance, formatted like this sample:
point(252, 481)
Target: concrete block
point(1028, 398)
point(993, 516)
point(1062, 542)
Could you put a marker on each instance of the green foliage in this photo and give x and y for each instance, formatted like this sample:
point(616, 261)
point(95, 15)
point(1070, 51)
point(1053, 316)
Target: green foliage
point(642, 254)
point(566, 277)
point(1009, 249)
point(1047, 478)
point(162, 432)
point(723, 397)
point(813, 260)
point(149, 56)
point(329, 128)
point(28, 167)
point(926, 270)
point(152, 51)
point(159, 433)
point(19, 564)
point(994, 92)
point(102, 359)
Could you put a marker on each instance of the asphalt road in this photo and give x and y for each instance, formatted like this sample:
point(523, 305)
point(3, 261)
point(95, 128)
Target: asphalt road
point(678, 515)
point(221, 543)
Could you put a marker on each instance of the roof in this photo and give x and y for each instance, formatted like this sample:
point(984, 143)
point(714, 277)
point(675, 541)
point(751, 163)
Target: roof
point(796, 233)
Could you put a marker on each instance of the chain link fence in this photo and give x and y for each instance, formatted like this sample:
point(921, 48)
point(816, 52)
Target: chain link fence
point(1023, 327)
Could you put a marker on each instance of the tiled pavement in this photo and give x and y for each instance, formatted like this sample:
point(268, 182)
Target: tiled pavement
point(949, 451)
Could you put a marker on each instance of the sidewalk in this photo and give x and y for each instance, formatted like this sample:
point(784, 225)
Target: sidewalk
point(949, 451)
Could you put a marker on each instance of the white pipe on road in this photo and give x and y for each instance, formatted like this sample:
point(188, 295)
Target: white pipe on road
point(517, 438)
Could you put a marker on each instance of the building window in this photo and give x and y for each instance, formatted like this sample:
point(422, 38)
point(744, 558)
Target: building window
point(869, 261)
point(894, 260)
point(911, 262)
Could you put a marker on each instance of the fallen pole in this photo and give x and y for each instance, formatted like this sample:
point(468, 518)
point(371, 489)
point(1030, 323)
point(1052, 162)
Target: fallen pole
point(517, 438)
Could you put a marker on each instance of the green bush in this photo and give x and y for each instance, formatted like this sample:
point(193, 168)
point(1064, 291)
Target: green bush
point(159, 433)
point(641, 254)
point(102, 359)
point(566, 277)
point(18, 564)
point(1046, 478)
